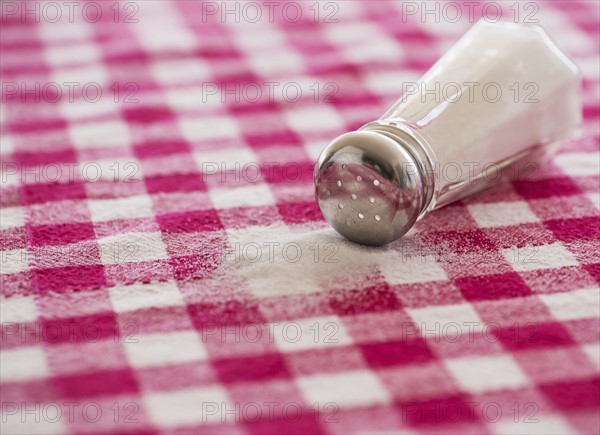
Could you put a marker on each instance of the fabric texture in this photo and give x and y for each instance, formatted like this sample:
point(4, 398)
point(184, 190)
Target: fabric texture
point(165, 268)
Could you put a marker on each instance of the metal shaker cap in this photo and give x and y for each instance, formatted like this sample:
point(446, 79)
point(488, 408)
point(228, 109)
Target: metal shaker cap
point(369, 187)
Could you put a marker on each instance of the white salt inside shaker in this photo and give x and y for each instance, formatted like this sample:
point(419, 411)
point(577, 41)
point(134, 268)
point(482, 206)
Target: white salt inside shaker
point(503, 91)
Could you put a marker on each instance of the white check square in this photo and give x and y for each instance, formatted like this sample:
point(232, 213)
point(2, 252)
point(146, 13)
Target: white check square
point(594, 198)
point(380, 50)
point(269, 62)
point(538, 424)
point(592, 351)
point(311, 333)
point(500, 214)
point(81, 109)
point(64, 30)
point(108, 134)
point(118, 170)
point(245, 196)
point(14, 261)
point(173, 37)
point(314, 119)
point(180, 71)
point(235, 159)
point(350, 33)
point(132, 247)
point(208, 128)
point(11, 217)
point(487, 373)
point(386, 82)
point(139, 296)
point(6, 147)
point(23, 364)
point(528, 258)
point(193, 98)
point(272, 263)
point(459, 319)
point(346, 390)
point(579, 164)
point(145, 350)
point(17, 423)
point(131, 207)
point(82, 52)
point(18, 309)
point(269, 37)
point(188, 407)
point(573, 305)
point(401, 269)
point(95, 76)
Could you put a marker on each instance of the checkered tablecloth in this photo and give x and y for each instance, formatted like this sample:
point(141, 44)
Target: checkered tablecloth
point(165, 268)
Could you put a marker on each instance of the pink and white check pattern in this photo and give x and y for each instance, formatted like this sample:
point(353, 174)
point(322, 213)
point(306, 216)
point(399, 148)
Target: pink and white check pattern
point(131, 299)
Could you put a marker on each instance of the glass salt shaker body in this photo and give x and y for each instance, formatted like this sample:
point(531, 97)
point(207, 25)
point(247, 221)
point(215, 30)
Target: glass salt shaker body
point(502, 97)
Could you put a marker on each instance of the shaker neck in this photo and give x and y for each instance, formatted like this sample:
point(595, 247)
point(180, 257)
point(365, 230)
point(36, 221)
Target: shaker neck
point(418, 149)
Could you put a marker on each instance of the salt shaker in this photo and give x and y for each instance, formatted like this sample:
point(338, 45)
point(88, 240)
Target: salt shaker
point(502, 94)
